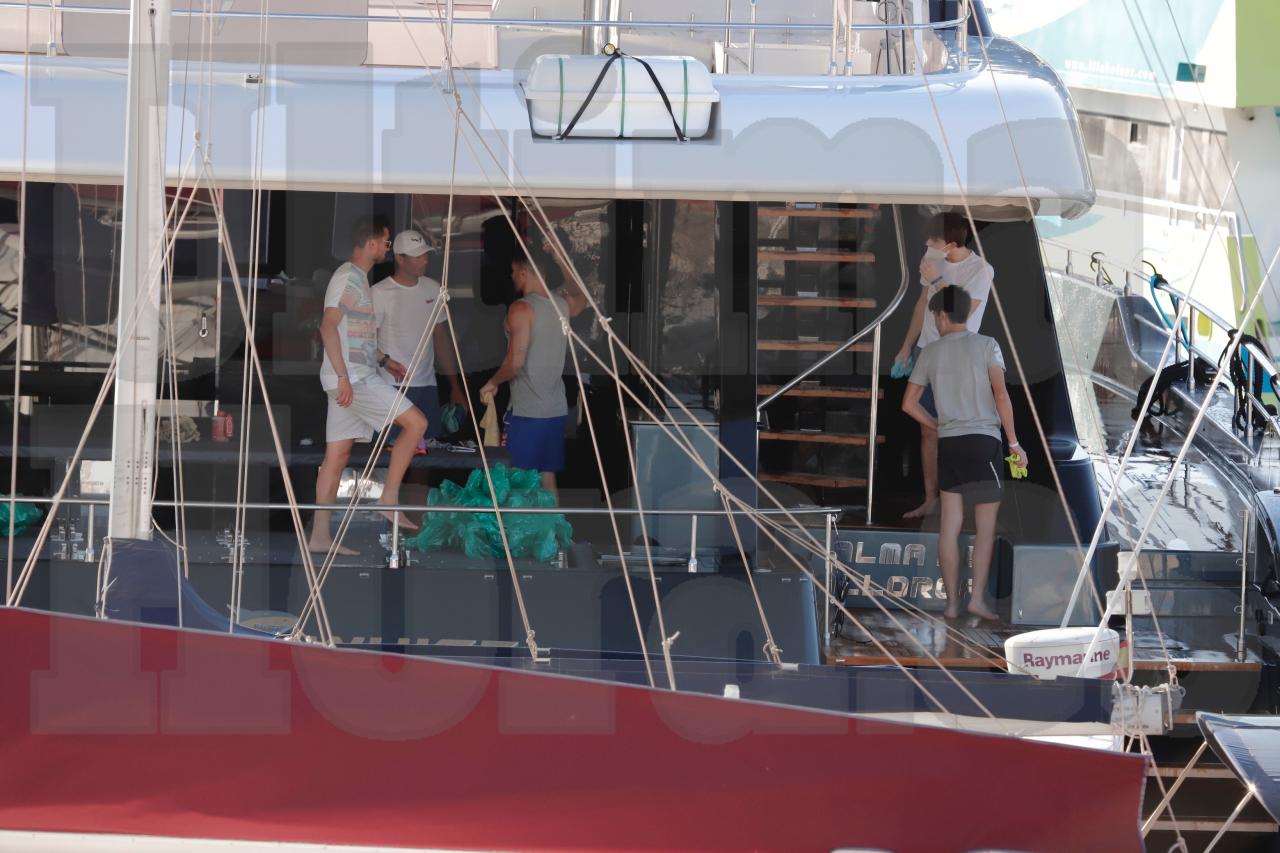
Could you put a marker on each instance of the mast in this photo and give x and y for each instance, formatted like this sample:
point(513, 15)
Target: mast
point(141, 266)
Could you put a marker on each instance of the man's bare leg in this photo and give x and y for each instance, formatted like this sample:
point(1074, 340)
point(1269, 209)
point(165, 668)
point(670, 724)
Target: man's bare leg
point(336, 454)
point(984, 516)
point(929, 465)
point(949, 550)
point(413, 425)
point(549, 483)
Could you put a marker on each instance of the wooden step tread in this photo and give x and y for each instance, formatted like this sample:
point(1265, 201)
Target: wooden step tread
point(826, 393)
point(817, 480)
point(818, 212)
point(822, 256)
point(818, 301)
point(810, 346)
point(817, 437)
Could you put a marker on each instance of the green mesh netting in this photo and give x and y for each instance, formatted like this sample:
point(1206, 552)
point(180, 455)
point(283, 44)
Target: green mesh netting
point(24, 515)
point(539, 536)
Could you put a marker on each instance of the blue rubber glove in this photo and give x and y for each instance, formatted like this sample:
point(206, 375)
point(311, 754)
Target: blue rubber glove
point(902, 369)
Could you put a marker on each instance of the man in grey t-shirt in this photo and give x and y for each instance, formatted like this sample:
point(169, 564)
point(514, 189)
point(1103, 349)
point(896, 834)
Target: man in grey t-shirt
point(965, 372)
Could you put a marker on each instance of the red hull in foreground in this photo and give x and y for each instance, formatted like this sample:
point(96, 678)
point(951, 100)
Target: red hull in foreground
point(117, 728)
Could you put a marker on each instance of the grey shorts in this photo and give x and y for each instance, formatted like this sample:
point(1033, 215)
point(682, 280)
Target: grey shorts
point(371, 400)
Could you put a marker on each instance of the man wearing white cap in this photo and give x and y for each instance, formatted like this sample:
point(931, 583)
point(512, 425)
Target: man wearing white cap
point(402, 305)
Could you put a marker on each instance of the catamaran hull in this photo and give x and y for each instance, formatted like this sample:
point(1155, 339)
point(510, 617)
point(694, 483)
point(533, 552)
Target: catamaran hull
point(118, 730)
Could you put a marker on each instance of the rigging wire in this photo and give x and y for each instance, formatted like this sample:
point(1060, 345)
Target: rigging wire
point(246, 396)
point(534, 207)
point(129, 325)
point(21, 285)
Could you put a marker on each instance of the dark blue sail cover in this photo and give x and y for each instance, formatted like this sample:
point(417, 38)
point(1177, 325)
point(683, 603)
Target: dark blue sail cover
point(1250, 746)
point(145, 584)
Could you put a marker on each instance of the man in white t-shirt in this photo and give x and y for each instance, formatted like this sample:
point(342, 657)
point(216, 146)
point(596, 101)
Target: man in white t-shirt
point(360, 400)
point(402, 305)
point(947, 262)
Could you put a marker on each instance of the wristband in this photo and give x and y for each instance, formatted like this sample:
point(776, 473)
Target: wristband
point(382, 362)
point(1014, 444)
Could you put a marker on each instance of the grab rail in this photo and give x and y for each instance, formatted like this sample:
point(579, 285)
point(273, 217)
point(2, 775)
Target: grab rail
point(510, 22)
point(1259, 359)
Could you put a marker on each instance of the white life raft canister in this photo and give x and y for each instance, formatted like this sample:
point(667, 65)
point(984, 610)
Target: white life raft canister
point(1061, 651)
point(627, 104)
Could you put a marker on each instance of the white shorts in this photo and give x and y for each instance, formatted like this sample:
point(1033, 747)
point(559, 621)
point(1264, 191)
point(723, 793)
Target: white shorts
point(371, 399)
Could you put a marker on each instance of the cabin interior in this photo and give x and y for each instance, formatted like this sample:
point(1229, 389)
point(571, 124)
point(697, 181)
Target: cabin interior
point(727, 302)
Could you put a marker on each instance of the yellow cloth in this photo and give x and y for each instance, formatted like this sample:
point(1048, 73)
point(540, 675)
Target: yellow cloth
point(489, 425)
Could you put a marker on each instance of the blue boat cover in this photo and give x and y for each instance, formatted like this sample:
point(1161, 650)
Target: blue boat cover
point(1250, 746)
point(146, 585)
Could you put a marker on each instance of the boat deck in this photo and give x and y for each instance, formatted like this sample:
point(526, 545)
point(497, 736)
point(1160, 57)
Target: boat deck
point(903, 638)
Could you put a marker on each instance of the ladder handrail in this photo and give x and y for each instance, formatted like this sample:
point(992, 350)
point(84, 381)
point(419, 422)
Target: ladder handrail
point(1260, 358)
point(1264, 360)
point(858, 335)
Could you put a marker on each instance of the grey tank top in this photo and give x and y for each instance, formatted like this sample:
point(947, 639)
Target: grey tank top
point(537, 391)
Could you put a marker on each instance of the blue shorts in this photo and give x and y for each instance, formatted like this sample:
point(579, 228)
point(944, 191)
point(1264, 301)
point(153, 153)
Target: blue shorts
point(536, 444)
point(427, 399)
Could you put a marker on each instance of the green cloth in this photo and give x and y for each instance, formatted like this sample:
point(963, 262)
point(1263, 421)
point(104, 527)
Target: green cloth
point(24, 515)
point(537, 535)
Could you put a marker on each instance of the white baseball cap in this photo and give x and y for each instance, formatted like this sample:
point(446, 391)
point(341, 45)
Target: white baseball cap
point(410, 243)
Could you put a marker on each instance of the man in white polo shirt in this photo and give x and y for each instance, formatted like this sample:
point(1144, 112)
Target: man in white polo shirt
point(402, 307)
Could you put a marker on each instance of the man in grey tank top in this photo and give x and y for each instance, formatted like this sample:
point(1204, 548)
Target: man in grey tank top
point(534, 365)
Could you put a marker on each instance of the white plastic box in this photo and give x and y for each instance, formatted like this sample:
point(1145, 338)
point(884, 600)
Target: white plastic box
point(1061, 651)
point(627, 105)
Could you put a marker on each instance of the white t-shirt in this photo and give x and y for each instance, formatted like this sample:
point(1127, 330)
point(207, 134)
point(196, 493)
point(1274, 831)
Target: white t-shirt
point(974, 275)
point(349, 291)
point(402, 314)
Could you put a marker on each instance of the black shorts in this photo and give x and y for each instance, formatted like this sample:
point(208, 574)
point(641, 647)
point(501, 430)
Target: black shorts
point(972, 465)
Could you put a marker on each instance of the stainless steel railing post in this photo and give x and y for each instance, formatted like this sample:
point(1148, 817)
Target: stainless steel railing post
point(1191, 346)
point(751, 42)
point(1241, 651)
point(826, 599)
point(835, 36)
point(728, 32)
point(871, 429)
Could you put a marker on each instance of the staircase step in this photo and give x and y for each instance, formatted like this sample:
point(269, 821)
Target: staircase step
point(826, 393)
point(818, 212)
point(815, 480)
point(816, 257)
point(810, 346)
point(817, 437)
point(818, 301)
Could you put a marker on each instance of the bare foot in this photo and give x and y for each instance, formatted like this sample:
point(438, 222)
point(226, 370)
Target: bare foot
point(925, 509)
point(977, 608)
point(399, 518)
point(321, 546)
point(951, 612)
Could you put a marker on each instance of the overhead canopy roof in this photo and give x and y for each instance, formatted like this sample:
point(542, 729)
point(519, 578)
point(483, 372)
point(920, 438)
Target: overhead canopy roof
point(390, 130)
point(1250, 746)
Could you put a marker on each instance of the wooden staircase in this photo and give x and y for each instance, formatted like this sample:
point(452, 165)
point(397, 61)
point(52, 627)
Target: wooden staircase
point(813, 270)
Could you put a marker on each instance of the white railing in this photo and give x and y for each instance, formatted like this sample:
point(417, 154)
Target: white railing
point(1135, 281)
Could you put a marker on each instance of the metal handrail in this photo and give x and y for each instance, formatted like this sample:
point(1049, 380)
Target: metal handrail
point(858, 335)
point(369, 507)
point(512, 22)
point(1260, 359)
point(1200, 308)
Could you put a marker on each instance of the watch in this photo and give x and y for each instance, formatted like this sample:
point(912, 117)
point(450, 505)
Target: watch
point(382, 362)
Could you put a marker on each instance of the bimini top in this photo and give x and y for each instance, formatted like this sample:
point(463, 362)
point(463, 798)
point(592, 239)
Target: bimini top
point(1250, 746)
point(810, 138)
